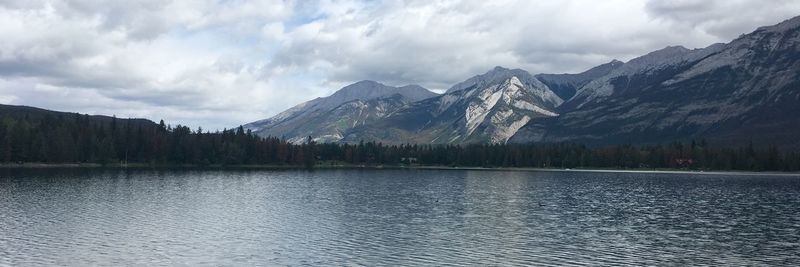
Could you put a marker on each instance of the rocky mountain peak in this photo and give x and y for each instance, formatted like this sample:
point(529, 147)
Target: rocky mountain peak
point(368, 90)
point(660, 55)
point(499, 69)
point(365, 87)
point(496, 75)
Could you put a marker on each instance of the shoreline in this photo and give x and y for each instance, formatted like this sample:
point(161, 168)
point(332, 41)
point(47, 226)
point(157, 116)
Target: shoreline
point(383, 167)
point(651, 171)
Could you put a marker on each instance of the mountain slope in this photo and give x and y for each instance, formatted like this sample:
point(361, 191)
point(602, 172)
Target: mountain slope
point(326, 118)
point(566, 85)
point(38, 114)
point(500, 75)
point(746, 90)
point(29, 134)
point(485, 108)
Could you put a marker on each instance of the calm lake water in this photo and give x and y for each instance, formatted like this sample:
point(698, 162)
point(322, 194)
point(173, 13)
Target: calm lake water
point(395, 217)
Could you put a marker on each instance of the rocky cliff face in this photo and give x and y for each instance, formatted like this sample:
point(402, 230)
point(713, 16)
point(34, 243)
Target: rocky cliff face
point(746, 90)
point(486, 108)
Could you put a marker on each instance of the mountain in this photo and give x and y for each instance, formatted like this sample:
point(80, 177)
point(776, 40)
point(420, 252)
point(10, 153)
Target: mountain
point(566, 85)
point(326, 119)
point(26, 113)
point(744, 91)
point(486, 108)
point(37, 136)
point(29, 134)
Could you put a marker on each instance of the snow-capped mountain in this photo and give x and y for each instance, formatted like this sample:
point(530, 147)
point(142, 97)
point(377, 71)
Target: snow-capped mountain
point(746, 90)
point(326, 119)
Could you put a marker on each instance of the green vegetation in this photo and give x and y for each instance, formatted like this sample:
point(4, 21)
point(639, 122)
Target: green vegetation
point(37, 136)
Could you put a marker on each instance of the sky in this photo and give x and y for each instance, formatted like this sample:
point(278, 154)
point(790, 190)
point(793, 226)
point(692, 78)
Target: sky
point(222, 63)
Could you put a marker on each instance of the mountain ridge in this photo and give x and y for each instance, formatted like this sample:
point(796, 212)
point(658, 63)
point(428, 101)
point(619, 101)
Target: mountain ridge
point(719, 92)
point(491, 109)
point(378, 100)
point(722, 92)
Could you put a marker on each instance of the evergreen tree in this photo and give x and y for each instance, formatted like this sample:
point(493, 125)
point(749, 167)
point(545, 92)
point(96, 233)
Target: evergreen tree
point(309, 153)
point(106, 153)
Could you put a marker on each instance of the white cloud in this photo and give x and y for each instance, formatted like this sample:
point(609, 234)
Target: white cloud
point(222, 63)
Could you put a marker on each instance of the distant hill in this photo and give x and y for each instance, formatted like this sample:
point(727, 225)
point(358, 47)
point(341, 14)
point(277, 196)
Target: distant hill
point(29, 134)
point(37, 114)
point(37, 135)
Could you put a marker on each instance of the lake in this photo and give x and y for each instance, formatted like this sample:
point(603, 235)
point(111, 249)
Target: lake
point(83, 217)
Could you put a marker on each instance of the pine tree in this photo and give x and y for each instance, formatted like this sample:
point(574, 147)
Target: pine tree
point(106, 153)
point(310, 152)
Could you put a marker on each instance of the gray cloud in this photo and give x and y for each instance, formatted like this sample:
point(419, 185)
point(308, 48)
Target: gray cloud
point(437, 44)
point(724, 19)
point(222, 63)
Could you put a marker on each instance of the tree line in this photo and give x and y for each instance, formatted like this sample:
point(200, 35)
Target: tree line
point(75, 138)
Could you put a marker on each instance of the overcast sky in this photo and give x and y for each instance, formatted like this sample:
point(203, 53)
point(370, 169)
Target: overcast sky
point(223, 63)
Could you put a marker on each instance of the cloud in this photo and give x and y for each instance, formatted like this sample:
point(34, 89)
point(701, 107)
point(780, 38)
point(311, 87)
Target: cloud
point(438, 43)
point(222, 63)
point(722, 19)
point(139, 58)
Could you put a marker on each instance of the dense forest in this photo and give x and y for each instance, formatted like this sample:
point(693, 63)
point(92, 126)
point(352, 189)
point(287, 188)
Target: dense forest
point(29, 135)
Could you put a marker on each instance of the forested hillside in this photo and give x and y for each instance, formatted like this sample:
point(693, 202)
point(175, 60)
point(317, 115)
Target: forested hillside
point(36, 135)
point(41, 136)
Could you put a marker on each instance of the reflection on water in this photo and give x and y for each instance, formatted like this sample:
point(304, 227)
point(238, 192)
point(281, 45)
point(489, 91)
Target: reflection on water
point(395, 217)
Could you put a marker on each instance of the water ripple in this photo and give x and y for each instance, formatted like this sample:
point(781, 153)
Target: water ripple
point(395, 217)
